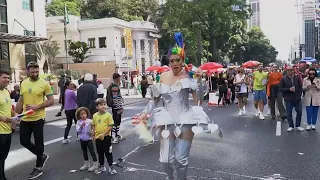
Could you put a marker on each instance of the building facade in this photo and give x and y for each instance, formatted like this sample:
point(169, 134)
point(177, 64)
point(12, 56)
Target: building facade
point(19, 19)
point(256, 14)
point(309, 29)
point(107, 41)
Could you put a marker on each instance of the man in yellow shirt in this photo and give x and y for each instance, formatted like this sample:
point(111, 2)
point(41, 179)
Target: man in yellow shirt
point(6, 113)
point(32, 96)
point(259, 90)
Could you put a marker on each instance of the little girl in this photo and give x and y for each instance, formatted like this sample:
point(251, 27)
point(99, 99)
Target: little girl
point(84, 130)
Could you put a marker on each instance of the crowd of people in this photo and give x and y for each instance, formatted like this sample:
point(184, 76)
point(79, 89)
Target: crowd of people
point(281, 89)
point(84, 105)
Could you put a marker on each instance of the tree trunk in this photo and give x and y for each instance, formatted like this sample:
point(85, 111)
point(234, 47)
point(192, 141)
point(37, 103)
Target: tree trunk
point(214, 52)
point(41, 63)
point(199, 51)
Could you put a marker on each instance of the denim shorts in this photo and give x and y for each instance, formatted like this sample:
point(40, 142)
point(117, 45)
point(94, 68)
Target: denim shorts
point(259, 95)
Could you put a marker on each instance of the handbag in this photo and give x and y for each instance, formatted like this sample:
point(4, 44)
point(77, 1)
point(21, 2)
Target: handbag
point(237, 88)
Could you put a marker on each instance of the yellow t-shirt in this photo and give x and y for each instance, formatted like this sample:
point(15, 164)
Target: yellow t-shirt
point(34, 93)
point(258, 78)
point(101, 122)
point(5, 111)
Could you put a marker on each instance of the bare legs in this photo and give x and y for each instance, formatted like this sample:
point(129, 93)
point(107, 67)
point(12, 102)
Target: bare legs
point(174, 152)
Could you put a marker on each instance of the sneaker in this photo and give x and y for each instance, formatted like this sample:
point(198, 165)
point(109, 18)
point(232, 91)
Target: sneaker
point(36, 172)
point(100, 170)
point(94, 167)
point(114, 140)
point(112, 170)
point(119, 137)
point(261, 116)
point(290, 129)
point(300, 128)
point(313, 127)
point(240, 113)
point(269, 112)
point(257, 112)
point(244, 110)
point(59, 114)
point(65, 141)
point(308, 128)
point(86, 166)
point(44, 160)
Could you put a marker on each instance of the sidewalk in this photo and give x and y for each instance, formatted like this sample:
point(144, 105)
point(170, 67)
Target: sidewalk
point(131, 99)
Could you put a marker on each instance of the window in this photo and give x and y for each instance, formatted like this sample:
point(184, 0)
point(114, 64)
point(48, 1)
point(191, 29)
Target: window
point(27, 5)
point(92, 42)
point(123, 42)
point(141, 45)
point(29, 56)
point(28, 33)
point(68, 43)
point(102, 42)
point(3, 16)
point(4, 55)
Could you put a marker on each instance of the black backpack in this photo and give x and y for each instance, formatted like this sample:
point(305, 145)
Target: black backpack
point(109, 96)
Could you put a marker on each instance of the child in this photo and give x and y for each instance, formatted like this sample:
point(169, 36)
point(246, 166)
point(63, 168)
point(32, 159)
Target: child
point(84, 131)
point(102, 124)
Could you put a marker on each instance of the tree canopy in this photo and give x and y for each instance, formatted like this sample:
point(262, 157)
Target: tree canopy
point(214, 30)
point(56, 7)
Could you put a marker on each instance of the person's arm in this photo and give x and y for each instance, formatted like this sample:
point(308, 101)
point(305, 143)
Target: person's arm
point(19, 105)
point(79, 127)
point(282, 86)
point(305, 86)
point(5, 119)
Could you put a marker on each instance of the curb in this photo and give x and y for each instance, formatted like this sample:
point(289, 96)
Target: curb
point(107, 108)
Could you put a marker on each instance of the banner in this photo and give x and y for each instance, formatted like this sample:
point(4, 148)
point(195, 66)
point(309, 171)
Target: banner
point(156, 49)
point(128, 36)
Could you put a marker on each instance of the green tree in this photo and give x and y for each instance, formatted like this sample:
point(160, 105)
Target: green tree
point(78, 50)
point(218, 21)
point(259, 48)
point(123, 9)
point(56, 7)
point(45, 52)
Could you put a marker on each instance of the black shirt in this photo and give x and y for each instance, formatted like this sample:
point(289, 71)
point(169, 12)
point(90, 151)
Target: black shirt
point(221, 81)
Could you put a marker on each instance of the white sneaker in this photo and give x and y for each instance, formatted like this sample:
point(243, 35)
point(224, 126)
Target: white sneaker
point(240, 113)
point(269, 112)
point(261, 116)
point(257, 112)
point(313, 127)
point(244, 110)
point(300, 128)
point(100, 170)
point(94, 167)
point(85, 166)
point(290, 129)
point(114, 140)
point(112, 170)
point(308, 128)
point(65, 141)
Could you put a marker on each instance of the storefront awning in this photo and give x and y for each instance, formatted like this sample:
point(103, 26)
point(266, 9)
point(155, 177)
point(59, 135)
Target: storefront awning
point(19, 39)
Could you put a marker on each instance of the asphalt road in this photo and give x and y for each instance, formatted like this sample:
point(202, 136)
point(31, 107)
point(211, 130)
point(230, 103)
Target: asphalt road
point(249, 150)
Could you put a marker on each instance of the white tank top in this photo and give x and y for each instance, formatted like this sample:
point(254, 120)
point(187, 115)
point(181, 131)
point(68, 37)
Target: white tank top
point(244, 87)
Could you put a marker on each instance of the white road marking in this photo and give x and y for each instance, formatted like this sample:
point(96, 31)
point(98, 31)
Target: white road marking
point(21, 155)
point(278, 129)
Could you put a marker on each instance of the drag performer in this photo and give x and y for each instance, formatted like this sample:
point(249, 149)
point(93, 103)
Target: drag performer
point(170, 111)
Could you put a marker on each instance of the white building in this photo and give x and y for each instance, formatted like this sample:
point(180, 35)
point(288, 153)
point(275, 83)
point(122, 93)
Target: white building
point(21, 21)
point(255, 18)
point(106, 40)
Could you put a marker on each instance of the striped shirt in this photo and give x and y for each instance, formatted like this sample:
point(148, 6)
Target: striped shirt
point(116, 97)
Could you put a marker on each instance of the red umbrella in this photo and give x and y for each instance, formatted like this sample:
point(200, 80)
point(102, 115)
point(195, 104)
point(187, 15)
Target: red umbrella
point(250, 64)
point(153, 68)
point(210, 66)
point(163, 69)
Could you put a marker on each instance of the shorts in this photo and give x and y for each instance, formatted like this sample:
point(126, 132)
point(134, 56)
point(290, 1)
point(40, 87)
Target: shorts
point(259, 95)
point(242, 95)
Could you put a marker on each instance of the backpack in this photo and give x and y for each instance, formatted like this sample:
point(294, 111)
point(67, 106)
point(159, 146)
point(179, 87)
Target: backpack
point(109, 96)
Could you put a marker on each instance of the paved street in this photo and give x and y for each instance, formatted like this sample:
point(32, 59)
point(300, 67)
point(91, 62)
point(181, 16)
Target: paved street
point(249, 150)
